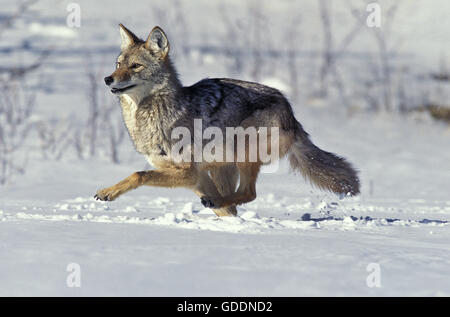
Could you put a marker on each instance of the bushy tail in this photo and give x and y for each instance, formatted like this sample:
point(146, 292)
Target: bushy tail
point(324, 169)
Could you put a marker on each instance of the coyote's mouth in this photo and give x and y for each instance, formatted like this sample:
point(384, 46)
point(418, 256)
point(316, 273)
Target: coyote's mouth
point(120, 90)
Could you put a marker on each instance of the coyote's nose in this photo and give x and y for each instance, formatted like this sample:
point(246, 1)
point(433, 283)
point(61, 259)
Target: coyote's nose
point(108, 80)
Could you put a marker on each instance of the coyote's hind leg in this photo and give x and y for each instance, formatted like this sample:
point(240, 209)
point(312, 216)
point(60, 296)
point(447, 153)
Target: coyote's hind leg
point(246, 192)
point(207, 188)
point(225, 178)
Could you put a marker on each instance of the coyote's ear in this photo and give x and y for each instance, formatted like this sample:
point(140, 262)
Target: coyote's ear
point(128, 38)
point(158, 43)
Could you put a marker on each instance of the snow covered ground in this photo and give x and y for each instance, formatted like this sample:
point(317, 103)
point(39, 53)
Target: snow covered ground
point(293, 240)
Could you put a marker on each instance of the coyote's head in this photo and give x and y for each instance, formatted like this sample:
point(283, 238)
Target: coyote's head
point(143, 67)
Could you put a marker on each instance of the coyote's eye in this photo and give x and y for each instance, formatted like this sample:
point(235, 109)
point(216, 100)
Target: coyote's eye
point(135, 66)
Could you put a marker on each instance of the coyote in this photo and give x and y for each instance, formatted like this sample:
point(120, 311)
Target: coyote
point(154, 102)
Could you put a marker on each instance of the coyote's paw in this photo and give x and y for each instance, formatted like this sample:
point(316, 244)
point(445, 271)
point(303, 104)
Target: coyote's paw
point(210, 202)
point(107, 194)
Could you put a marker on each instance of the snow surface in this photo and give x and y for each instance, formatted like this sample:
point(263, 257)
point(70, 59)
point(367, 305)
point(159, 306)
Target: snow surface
point(293, 240)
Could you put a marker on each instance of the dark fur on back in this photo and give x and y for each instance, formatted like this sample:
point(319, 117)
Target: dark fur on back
point(226, 102)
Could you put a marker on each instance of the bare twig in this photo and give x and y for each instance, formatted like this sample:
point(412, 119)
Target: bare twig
point(21, 10)
point(16, 107)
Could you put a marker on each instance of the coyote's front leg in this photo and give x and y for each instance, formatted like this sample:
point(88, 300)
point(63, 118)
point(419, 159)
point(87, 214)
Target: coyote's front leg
point(161, 178)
